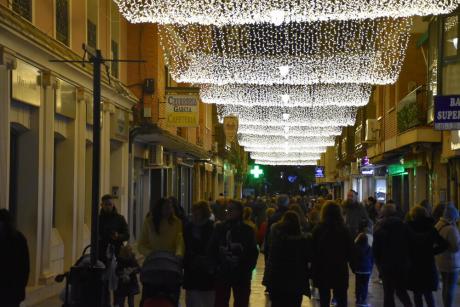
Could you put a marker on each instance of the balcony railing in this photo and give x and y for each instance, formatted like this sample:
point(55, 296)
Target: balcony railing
point(412, 110)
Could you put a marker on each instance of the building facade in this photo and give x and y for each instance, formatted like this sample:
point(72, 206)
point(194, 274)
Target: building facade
point(46, 129)
point(393, 151)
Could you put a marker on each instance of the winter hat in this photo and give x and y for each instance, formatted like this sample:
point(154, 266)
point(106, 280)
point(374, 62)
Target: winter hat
point(450, 213)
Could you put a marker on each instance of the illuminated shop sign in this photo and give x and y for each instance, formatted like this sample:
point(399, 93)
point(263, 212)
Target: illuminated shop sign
point(447, 112)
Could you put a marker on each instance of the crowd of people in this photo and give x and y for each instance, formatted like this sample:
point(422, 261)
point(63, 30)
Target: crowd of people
point(310, 246)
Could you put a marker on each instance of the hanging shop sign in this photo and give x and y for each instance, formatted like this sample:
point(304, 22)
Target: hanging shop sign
point(66, 99)
point(182, 110)
point(447, 112)
point(119, 125)
point(26, 83)
point(230, 128)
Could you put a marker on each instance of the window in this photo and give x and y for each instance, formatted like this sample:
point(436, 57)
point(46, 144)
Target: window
point(62, 21)
point(115, 38)
point(451, 36)
point(23, 8)
point(432, 82)
point(91, 23)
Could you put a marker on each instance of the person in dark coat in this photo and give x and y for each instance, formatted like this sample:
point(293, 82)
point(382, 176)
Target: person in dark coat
point(391, 255)
point(198, 274)
point(233, 251)
point(426, 243)
point(371, 207)
point(128, 284)
point(282, 206)
point(113, 229)
point(287, 267)
point(14, 262)
point(354, 213)
point(332, 252)
point(363, 262)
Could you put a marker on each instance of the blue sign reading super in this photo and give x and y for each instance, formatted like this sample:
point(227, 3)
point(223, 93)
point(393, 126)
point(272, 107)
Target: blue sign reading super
point(447, 112)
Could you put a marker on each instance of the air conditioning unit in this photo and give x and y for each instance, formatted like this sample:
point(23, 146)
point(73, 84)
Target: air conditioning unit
point(372, 130)
point(155, 158)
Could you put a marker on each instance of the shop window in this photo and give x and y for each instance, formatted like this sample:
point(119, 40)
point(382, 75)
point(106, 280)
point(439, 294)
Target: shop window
point(115, 39)
point(451, 36)
point(62, 21)
point(91, 23)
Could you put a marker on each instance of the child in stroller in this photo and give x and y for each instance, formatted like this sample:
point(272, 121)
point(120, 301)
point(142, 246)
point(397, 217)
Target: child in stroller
point(161, 278)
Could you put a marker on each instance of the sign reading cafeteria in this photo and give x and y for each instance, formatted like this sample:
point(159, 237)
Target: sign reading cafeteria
point(447, 112)
point(182, 110)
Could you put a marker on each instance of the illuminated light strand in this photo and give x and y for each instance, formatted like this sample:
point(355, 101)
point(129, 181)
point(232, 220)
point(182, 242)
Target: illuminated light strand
point(329, 116)
point(290, 163)
point(286, 149)
point(287, 95)
point(221, 12)
point(290, 131)
point(252, 140)
point(364, 51)
point(284, 157)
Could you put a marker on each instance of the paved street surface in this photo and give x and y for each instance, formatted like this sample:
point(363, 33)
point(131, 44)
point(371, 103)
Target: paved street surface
point(259, 299)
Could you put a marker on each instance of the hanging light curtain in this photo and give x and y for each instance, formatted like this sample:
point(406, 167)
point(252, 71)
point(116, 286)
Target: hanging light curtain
point(222, 12)
point(357, 51)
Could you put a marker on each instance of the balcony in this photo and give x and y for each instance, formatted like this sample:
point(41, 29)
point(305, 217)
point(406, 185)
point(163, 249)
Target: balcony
point(412, 120)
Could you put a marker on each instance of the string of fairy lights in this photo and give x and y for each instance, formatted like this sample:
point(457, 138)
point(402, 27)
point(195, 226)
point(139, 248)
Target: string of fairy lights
point(293, 72)
point(220, 12)
point(352, 51)
point(287, 95)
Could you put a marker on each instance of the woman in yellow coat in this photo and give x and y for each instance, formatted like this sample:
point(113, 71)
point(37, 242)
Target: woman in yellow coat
point(161, 232)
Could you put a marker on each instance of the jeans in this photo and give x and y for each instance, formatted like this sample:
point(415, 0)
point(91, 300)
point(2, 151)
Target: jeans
point(241, 294)
point(340, 295)
point(449, 283)
point(389, 289)
point(362, 287)
point(418, 299)
point(284, 299)
point(120, 301)
point(195, 298)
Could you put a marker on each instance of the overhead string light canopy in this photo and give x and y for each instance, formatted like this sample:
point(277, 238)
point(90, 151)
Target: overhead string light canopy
point(345, 94)
point(252, 140)
point(355, 51)
point(288, 117)
point(287, 162)
point(285, 148)
point(222, 12)
point(284, 157)
point(289, 131)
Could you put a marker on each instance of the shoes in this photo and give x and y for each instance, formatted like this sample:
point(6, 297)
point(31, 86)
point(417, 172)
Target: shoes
point(333, 302)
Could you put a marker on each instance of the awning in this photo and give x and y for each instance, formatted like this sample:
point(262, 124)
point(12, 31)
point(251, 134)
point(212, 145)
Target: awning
point(152, 134)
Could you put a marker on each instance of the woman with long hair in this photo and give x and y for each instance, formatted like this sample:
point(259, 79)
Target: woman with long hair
point(332, 252)
point(287, 271)
point(162, 230)
point(161, 235)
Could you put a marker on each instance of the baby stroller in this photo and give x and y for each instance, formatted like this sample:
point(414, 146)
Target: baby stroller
point(161, 277)
point(83, 283)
